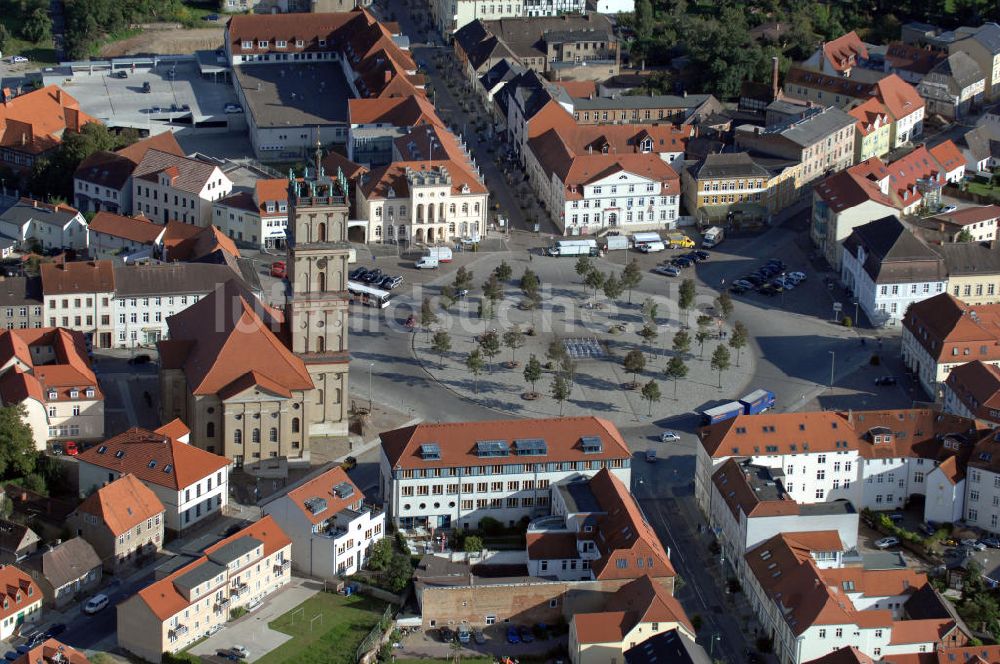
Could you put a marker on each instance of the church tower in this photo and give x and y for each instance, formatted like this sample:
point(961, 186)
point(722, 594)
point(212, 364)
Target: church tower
point(316, 313)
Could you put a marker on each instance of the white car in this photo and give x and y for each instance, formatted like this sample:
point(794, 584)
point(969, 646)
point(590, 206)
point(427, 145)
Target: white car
point(887, 542)
point(669, 436)
point(947, 208)
point(233, 108)
point(214, 629)
point(797, 276)
point(15, 59)
point(788, 283)
point(95, 604)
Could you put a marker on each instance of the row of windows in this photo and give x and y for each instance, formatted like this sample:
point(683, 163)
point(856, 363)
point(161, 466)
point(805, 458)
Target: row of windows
point(629, 202)
point(630, 216)
point(923, 288)
point(489, 503)
point(510, 468)
point(469, 487)
point(272, 434)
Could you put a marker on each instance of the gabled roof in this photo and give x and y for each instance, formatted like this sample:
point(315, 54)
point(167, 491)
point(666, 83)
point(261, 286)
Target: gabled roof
point(640, 601)
point(948, 156)
point(456, 441)
point(891, 253)
point(16, 536)
point(29, 210)
point(334, 487)
point(912, 58)
point(164, 598)
point(396, 111)
point(68, 562)
point(729, 165)
point(35, 122)
point(78, 278)
point(870, 115)
point(977, 385)
point(227, 334)
point(187, 242)
point(988, 35)
point(847, 189)
point(68, 371)
point(122, 504)
point(900, 98)
point(127, 228)
point(392, 181)
point(189, 175)
point(845, 655)
point(845, 51)
point(951, 330)
point(162, 142)
point(959, 71)
point(52, 651)
point(17, 591)
point(671, 646)
point(625, 535)
point(154, 457)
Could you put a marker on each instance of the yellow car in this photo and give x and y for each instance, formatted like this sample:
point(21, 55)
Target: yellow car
point(680, 240)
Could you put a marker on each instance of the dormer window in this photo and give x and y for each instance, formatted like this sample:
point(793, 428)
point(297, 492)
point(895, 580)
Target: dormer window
point(74, 394)
point(281, 43)
point(90, 392)
point(262, 44)
point(53, 394)
point(269, 206)
point(248, 44)
point(299, 43)
point(282, 207)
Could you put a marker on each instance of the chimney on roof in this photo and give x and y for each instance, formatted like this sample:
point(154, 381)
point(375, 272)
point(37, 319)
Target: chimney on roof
point(774, 78)
point(59, 95)
point(388, 75)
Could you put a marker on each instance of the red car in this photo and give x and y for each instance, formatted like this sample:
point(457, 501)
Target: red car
point(71, 448)
point(279, 270)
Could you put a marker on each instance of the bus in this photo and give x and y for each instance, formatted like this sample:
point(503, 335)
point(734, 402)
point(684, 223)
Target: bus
point(368, 296)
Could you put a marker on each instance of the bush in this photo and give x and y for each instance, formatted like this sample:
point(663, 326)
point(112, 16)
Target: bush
point(490, 526)
point(176, 658)
point(238, 612)
point(847, 322)
point(696, 622)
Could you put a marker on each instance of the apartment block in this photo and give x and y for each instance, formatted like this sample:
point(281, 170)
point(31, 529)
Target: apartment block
point(168, 187)
point(78, 296)
point(238, 572)
point(453, 475)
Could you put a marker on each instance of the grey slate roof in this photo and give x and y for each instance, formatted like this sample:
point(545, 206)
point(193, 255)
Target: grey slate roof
point(16, 291)
point(501, 72)
point(965, 258)
point(817, 126)
point(639, 102)
point(68, 562)
point(204, 572)
point(15, 536)
point(989, 36)
point(170, 278)
point(233, 550)
point(672, 647)
point(729, 165)
point(23, 212)
point(959, 68)
point(893, 254)
point(479, 44)
point(192, 176)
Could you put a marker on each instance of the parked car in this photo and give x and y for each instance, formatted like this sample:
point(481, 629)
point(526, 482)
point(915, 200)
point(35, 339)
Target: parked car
point(147, 88)
point(121, 73)
point(927, 529)
point(55, 630)
point(214, 629)
point(525, 633)
point(232, 108)
point(279, 269)
point(887, 542)
point(703, 255)
point(349, 463)
point(210, 17)
point(479, 637)
point(357, 273)
point(512, 635)
point(895, 517)
point(736, 289)
point(464, 635)
point(10, 655)
point(71, 448)
point(885, 380)
point(95, 604)
point(992, 542)
point(651, 455)
point(666, 270)
point(141, 358)
point(57, 449)
point(975, 545)
point(669, 436)
point(947, 208)
point(392, 282)
point(372, 276)
point(797, 276)
point(17, 59)
point(743, 283)
point(681, 262)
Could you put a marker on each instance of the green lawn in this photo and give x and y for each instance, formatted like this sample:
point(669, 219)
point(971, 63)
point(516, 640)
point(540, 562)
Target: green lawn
point(465, 660)
point(346, 621)
point(983, 189)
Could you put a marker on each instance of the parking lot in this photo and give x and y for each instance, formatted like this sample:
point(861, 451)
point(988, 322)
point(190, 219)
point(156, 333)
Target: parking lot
point(121, 101)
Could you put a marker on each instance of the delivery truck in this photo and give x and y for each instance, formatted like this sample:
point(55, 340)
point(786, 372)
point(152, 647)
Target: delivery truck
point(443, 254)
point(573, 248)
point(648, 243)
point(712, 237)
point(616, 242)
point(679, 241)
point(721, 413)
point(757, 402)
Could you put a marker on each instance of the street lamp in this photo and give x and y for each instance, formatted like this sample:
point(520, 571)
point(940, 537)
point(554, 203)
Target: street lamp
point(370, 365)
point(711, 644)
point(855, 313)
point(833, 359)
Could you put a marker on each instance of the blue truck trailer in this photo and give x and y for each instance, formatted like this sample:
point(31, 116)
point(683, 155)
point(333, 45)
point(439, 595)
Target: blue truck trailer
point(754, 403)
point(757, 402)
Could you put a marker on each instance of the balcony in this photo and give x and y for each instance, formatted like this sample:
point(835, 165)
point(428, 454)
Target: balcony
point(282, 567)
point(239, 591)
point(180, 630)
point(221, 604)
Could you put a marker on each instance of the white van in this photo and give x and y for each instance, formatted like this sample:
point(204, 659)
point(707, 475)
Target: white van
point(426, 263)
point(652, 247)
point(443, 254)
point(95, 604)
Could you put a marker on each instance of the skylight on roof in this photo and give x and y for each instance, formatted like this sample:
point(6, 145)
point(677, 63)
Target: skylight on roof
point(430, 452)
point(592, 444)
point(530, 447)
point(492, 448)
point(102, 449)
point(167, 468)
point(119, 454)
point(152, 463)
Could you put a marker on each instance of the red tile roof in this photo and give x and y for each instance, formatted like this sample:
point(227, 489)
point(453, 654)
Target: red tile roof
point(948, 156)
point(128, 228)
point(19, 591)
point(35, 122)
point(625, 535)
point(187, 242)
point(78, 278)
point(229, 336)
point(394, 177)
point(846, 655)
point(844, 52)
point(154, 457)
point(52, 651)
point(927, 630)
point(971, 215)
point(163, 598)
point(870, 115)
point(122, 504)
point(457, 441)
point(900, 98)
point(740, 497)
point(552, 546)
point(954, 332)
point(916, 59)
point(406, 111)
point(323, 487)
point(164, 142)
point(70, 369)
point(977, 385)
point(186, 174)
point(846, 189)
